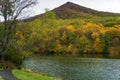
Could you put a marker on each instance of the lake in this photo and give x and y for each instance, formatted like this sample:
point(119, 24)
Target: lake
point(75, 68)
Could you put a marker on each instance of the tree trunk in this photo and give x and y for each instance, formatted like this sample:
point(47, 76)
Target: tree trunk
point(4, 41)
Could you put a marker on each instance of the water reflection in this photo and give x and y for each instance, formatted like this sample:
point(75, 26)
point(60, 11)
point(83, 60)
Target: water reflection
point(76, 68)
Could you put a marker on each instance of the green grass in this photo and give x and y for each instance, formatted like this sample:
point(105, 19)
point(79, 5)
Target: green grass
point(1, 78)
point(22, 75)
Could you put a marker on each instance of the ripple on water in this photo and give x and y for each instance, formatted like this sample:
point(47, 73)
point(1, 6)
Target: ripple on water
point(76, 68)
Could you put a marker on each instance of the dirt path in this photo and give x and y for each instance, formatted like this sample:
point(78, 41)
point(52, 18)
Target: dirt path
point(7, 75)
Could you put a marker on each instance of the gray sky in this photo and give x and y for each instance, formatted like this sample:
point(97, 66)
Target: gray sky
point(100, 5)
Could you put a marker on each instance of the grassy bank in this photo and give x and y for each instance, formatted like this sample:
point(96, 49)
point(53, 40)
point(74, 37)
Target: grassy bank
point(22, 75)
point(1, 78)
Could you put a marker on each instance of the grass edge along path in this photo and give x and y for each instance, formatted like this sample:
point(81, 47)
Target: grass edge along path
point(22, 75)
point(1, 78)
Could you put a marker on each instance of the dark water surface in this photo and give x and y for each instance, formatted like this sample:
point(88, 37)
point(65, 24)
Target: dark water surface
point(76, 68)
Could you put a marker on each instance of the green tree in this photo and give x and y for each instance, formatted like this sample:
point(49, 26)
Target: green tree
point(10, 10)
point(49, 14)
point(84, 45)
point(106, 40)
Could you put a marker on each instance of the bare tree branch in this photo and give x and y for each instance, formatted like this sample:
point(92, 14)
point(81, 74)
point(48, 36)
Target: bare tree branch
point(10, 10)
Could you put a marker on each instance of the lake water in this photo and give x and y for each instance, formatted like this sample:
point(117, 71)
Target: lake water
point(76, 68)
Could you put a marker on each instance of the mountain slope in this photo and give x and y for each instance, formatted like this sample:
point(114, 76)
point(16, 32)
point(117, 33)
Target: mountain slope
point(71, 10)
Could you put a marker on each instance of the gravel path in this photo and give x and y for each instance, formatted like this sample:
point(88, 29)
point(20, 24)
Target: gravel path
point(7, 75)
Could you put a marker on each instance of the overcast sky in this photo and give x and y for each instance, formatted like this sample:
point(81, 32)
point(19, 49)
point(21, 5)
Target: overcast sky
point(101, 5)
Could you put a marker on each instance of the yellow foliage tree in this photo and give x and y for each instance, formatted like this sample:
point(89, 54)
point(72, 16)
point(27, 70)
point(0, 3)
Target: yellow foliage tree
point(69, 48)
point(91, 27)
point(71, 28)
point(95, 35)
point(64, 38)
point(98, 45)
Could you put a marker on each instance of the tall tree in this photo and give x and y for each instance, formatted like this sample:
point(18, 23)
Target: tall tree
point(49, 14)
point(10, 10)
point(84, 45)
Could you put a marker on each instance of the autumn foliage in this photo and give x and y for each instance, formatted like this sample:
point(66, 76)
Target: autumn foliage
point(65, 39)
